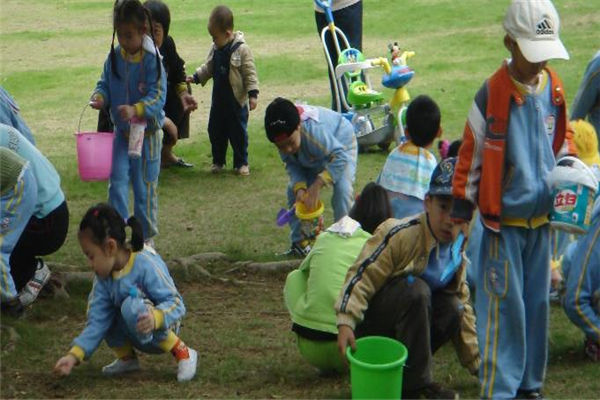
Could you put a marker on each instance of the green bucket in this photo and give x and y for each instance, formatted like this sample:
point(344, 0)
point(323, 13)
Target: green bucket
point(376, 368)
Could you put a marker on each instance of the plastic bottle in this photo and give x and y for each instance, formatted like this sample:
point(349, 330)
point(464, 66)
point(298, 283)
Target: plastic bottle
point(139, 308)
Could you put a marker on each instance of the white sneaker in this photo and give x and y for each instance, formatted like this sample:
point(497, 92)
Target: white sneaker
point(33, 288)
point(186, 369)
point(120, 366)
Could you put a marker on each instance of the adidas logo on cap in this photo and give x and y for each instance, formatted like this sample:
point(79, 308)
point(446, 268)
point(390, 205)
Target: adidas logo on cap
point(544, 28)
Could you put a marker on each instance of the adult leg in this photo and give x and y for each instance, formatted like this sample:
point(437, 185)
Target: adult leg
point(118, 186)
point(501, 312)
point(402, 310)
point(144, 180)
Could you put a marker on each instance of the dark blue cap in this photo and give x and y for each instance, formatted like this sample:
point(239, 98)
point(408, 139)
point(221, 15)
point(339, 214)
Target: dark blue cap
point(441, 179)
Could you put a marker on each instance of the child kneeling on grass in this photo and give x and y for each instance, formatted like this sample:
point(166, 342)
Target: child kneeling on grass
point(119, 267)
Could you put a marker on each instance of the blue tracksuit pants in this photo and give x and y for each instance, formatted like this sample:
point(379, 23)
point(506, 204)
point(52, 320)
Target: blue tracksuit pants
point(143, 175)
point(512, 306)
point(17, 206)
point(341, 201)
point(123, 331)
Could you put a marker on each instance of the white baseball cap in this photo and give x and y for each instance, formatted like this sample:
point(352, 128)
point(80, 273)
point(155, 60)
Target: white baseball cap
point(534, 25)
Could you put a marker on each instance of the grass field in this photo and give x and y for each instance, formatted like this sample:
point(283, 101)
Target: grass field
point(51, 55)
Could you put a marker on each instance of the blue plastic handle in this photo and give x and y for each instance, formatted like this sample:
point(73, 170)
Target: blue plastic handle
point(284, 216)
point(326, 6)
point(455, 250)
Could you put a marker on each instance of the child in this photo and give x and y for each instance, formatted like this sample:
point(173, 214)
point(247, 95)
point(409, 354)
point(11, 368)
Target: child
point(407, 169)
point(581, 267)
point(516, 129)
point(10, 115)
point(119, 267)
point(133, 85)
point(18, 193)
point(179, 102)
point(231, 65)
point(587, 100)
point(311, 290)
point(318, 147)
point(46, 230)
point(398, 288)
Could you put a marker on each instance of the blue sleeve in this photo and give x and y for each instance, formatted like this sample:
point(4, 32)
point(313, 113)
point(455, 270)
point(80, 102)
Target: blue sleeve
point(294, 170)
point(589, 92)
point(103, 84)
point(100, 314)
point(160, 289)
point(583, 281)
point(321, 137)
point(154, 101)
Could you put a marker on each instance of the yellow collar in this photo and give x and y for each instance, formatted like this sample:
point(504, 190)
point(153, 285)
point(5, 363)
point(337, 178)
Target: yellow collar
point(526, 89)
point(121, 273)
point(134, 58)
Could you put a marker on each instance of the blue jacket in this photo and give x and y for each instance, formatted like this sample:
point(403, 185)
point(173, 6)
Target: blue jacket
point(324, 148)
point(49, 195)
point(581, 267)
point(139, 85)
point(587, 100)
point(9, 115)
point(148, 272)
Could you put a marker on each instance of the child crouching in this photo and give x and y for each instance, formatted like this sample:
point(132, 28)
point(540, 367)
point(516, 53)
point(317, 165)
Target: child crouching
point(119, 267)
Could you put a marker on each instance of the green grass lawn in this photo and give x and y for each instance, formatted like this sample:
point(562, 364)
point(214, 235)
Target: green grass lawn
point(51, 55)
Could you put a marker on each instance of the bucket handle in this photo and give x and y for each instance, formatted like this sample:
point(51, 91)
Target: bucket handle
point(81, 116)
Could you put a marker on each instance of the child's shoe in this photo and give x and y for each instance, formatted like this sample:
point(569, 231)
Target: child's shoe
point(244, 170)
point(592, 349)
point(121, 366)
point(296, 250)
point(216, 168)
point(186, 368)
point(33, 288)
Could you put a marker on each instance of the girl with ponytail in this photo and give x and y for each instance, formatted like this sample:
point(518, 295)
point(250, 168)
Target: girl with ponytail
point(133, 89)
point(121, 266)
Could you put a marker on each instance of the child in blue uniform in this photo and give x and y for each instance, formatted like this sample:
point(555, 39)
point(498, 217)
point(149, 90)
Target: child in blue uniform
point(581, 268)
point(10, 115)
point(119, 267)
point(318, 148)
point(133, 85)
point(231, 65)
point(587, 100)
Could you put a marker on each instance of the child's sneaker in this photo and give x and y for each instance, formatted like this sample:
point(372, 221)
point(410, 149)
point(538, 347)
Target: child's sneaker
point(244, 170)
point(186, 368)
point(216, 168)
point(295, 250)
point(592, 349)
point(33, 288)
point(121, 366)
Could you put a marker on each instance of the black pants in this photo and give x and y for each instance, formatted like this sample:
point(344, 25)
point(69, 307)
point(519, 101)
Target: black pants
point(423, 321)
point(228, 123)
point(349, 20)
point(41, 237)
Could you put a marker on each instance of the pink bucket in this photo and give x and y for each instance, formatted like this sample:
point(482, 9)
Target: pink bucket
point(94, 154)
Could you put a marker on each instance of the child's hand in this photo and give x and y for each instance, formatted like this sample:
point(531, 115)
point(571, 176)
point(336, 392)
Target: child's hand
point(555, 278)
point(65, 365)
point(253, 102)
point(145, 323)
point(345, 338)
point(312, 195)
point(97, 102)
point(189, 79)
point(189, 102)
point(126, 112)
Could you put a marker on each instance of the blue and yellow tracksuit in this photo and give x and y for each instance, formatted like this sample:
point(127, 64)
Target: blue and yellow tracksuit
point(140, 85)
point(109, 315)
point(328, 149)
point(18, 193)
point(581, 267)
point(587, 100)
point(512, 139)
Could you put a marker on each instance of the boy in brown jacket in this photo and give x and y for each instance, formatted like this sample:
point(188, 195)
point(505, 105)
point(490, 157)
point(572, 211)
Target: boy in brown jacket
point(231, 65)
point(406, 284)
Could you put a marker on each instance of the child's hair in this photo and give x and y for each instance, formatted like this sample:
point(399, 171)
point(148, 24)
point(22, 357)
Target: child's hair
point(103, 221)
point(221, 18)
point(372, 207)
point(160, 13)
point(423, 120)
point(454, 148)
point(131, 11)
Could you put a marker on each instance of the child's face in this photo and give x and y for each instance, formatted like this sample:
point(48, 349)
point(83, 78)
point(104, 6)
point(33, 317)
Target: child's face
point(220, 37)
point(158, 33)
point(130, 37)
point(101, 258)
point(292, 144)
point(521, 69)
point(438, 208)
